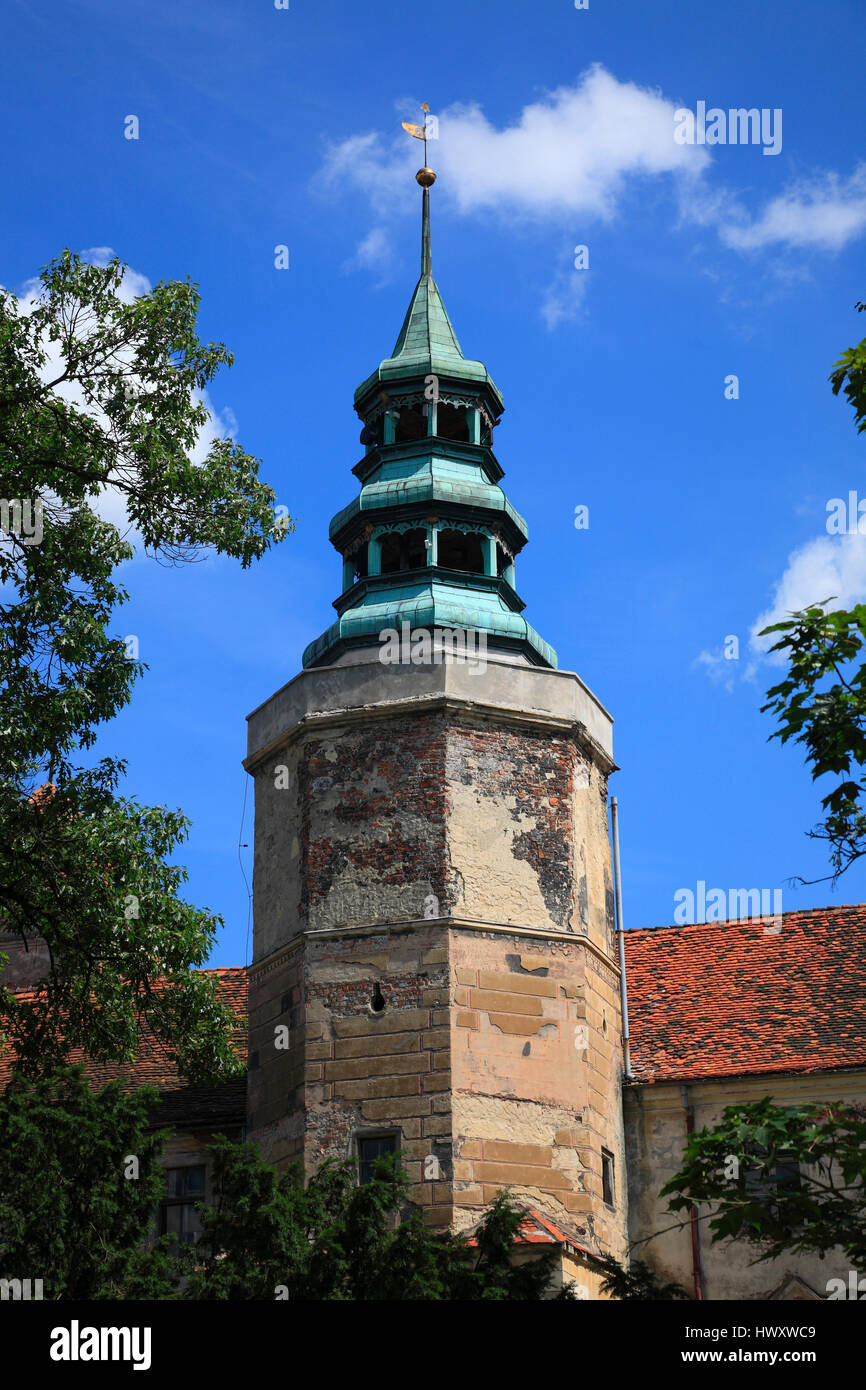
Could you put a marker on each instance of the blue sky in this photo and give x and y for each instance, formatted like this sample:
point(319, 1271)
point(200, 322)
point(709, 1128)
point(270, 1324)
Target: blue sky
point(261, 127)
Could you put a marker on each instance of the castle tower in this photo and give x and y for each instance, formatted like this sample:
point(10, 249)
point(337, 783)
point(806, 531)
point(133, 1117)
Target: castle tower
point(434, 960)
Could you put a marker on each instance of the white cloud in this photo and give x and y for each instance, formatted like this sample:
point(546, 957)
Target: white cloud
point(110, 504)
point(563, 299)
point(723, 670)
point(374, 253)
point(570, 153)
point(573, 157)
point(825, 212)
point(827, 567)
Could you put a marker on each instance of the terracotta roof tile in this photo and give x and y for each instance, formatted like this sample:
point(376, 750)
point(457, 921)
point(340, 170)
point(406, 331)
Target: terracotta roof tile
point(180, 1104)
point(739, 998)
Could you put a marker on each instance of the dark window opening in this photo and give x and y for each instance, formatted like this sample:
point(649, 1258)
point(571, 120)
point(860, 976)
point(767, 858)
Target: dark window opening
point(452, 422)
point(782, 1179)
point(359, 561)
point(390, 561)
point(411, 424)
point(377, 1000)
point(607, 1187)
point(178, 1216)
point(416, 550)
point(403, 552)
point(461, 551)
point(370, 1148)
point(373, 431)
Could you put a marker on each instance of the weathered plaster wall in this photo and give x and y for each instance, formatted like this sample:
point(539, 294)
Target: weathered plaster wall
point(450, 856)
point(535, 1072)
point(655, 1140)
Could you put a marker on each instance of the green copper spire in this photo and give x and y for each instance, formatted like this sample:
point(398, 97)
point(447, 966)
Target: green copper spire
point(427, 343)
point(426, 258)
point(430, 540)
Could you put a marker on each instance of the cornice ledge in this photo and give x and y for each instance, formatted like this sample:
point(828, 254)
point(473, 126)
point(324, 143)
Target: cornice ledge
point(424, 704)
point(470, 924)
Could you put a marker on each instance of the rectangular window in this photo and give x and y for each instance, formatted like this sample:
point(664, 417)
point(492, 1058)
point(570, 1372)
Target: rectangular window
point(782, 1179)
point(178, 1216)
point(607, 1188)
point(371, 1147)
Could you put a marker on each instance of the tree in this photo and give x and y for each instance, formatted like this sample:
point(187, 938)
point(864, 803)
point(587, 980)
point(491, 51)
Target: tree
point(637, 1283)
point(849, 375)
point(785, 1180)
point(100, 395)
point(79, 1183)
point(821, 703)
point(271, 1236)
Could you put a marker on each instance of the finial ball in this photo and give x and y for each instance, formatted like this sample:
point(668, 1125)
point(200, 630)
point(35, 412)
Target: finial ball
point(425, 177)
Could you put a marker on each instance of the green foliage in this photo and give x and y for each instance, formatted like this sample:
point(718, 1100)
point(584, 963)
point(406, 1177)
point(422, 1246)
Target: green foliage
point(85, 869)
point(822, 701)
point(271, 1235)
point(849, 375)
point(735, 1167)
point(637, 1283)
point(68, 1214)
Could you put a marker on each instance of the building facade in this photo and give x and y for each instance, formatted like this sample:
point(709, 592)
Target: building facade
point(434, 961)
point(434, 964)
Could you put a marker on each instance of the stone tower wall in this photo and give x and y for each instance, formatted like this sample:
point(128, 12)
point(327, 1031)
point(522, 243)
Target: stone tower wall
point(434, 944)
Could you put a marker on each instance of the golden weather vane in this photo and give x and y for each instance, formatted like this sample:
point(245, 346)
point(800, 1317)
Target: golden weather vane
point(426, 175)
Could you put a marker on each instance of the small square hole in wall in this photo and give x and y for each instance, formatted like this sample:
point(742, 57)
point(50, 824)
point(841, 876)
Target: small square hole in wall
point(607, 1176)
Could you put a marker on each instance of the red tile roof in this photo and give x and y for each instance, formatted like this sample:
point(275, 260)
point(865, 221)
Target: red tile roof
point(153, 1066)
point(739, 998)
point(535, 1229)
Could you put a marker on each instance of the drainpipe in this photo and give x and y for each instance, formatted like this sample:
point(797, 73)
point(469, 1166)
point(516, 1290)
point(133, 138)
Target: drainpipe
point(697, 1273)
point(623, 993)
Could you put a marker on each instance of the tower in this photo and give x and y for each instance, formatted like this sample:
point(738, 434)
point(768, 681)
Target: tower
point(434, 965)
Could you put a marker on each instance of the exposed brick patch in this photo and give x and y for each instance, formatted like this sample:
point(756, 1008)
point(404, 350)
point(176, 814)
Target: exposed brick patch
point(536, 773)
point(384, 788)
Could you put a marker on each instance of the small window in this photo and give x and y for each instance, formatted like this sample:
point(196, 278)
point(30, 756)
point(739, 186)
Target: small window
point(782, 1179)
point(178, 1216)
point(371, 1147)
point(781, 1182)
point(607, 1187)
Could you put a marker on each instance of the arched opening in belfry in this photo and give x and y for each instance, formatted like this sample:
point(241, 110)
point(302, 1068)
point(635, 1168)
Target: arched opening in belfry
point(452, 422)
point(411, 424)
point(416, 550)
point(403, 551)
point(359, 562)
point(461, 550)
point(373, 432)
